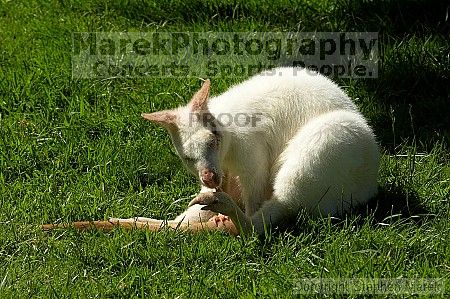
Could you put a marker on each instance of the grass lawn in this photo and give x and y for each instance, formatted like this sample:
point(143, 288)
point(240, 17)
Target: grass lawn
point(76, 149)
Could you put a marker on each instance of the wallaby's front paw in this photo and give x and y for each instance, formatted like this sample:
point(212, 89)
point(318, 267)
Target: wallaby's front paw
point(218, 202)
point(204, 198)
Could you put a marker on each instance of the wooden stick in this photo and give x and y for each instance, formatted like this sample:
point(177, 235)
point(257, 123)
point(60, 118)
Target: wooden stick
point(153, 225)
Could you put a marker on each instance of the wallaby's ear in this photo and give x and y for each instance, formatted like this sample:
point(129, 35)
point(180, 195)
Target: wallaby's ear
point(200, 99)
point(165, 118)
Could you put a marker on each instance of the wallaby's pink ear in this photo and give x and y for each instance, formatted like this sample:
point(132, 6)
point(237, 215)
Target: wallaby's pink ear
point(165, 118)
point(200, 99)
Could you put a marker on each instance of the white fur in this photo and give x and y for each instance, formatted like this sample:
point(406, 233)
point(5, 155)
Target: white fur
point(312, 150)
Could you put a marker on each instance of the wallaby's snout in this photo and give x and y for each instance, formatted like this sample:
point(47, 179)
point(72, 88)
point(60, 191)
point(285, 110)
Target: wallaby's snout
point(210, 178)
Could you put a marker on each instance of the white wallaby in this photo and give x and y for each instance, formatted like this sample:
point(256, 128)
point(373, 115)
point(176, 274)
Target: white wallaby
point(283, 141)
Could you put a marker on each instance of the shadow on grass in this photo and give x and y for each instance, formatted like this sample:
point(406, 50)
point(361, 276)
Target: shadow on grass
point(393, 17)
point(391, 204)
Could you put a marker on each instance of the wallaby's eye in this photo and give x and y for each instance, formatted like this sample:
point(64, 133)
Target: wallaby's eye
point(216, 139)
point(214, 130)
point(213, 142)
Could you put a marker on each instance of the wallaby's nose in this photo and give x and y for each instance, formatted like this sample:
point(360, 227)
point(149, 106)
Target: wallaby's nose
point(209, 178)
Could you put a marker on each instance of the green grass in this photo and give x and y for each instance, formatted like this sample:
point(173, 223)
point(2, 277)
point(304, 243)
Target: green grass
point(77, 150)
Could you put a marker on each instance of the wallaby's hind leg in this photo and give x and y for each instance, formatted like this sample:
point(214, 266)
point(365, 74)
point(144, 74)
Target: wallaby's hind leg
point(329, 167)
